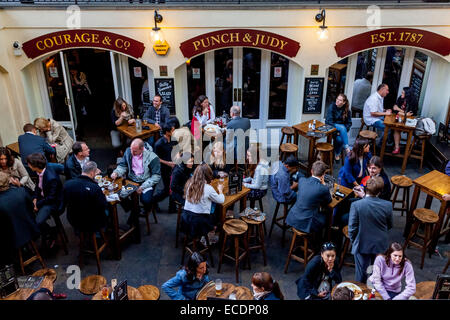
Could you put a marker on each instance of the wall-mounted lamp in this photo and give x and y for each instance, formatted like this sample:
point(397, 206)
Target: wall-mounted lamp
point(323, 31)
point(157, 34)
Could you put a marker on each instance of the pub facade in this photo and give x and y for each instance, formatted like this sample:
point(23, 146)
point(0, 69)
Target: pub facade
point(279, 65)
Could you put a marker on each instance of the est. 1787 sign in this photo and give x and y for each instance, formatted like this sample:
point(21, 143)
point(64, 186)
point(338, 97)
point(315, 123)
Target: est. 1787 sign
point(78, 38)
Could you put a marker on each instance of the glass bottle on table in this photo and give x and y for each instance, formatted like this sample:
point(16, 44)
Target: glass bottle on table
point(138, 124)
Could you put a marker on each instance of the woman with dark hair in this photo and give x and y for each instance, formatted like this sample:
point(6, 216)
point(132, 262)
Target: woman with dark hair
point(19, 176)
point(265, 288)
point(320, 276)
point(203, 110)
point(355, 164)
point(375, 168)
point(406, 103)
point(389, 269)
point(340, 117)
point(180, 175)
point(257, 175)
point(190, 280)
point(121, 113)
point(197, 218)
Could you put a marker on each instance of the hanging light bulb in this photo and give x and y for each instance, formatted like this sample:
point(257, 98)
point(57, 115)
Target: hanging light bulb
point(322, 33)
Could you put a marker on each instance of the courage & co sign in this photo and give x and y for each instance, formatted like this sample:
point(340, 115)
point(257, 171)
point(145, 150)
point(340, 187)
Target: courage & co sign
point(239, 38)
point(82, 38)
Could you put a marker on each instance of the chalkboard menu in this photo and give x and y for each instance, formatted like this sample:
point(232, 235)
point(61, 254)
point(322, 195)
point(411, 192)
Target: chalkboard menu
point(416, 80)
point(166, 89)
point(312, 100)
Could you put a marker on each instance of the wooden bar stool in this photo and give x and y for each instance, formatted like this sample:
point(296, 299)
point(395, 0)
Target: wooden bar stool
point(275, 220)
point(363, 124)
point(371, 136)
point(405, 183)
point(326, 152)
point(345, 249)
point(179, 211)
point(289, 133)
point(287, 149)
point(61, 233)
point(36, 256)
point(256, 231)
point(92, 236)
point(191, 245)
point(235, 229)
point(147, 213)
point(428, 218)
point(419, 152)
point(306, 257)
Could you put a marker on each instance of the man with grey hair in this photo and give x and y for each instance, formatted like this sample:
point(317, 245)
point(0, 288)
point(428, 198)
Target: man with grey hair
point(236, 123)
point(85, 202)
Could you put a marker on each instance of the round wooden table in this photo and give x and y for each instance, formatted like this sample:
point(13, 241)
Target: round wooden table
point(424, 290)
point(133, 294)
point(149, 292)
point(92, 284)
point(47, 272)
point(364, 289)
point(209, 291)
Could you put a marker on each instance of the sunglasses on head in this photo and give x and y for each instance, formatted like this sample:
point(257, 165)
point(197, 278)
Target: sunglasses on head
point(328, 246)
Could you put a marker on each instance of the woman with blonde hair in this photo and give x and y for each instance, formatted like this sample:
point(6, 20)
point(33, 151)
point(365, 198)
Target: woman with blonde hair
point(197, 219)
point(257, 175)
point(56, 136)
point(217, 160)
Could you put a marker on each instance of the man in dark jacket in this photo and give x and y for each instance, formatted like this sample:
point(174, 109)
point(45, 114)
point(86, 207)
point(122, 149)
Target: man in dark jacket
point(75, 162)
point(368, 225)
point(312, 193)
point(16, 204)
point(234, 127)
point(180, 175)
point(157, 114)
point(30, 142)
point(47, 196)
point(86, 204)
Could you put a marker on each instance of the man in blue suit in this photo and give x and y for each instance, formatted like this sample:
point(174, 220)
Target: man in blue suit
point(368, 225)
point(47, 198)
point(312, 194)
point(30, 142)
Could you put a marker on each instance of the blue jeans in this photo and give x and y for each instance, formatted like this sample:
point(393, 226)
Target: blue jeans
point(379, 124)
point(340, 140)
point(146, 199)
point(43, 214)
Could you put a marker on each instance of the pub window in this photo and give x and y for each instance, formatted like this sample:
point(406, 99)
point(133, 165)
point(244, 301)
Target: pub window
point(251, 82)
point(195, 68)
point(365, 63)
point(337, 74)
point(139, 86)
point(279, 71)
point(223, 75)
point(392, 73)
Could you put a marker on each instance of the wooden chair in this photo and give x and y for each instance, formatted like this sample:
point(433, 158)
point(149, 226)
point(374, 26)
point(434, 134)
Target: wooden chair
point(147, 213)
point(425, 217)
point(357, 113)
point(261, 207)
point(371, 136)
point(363, 124)
point(345, 249)
point(419, 152)
point(96, 250)
point(275, 220)
point(36, 256)
point(307, 252)
point(287, 132)
point(256, 231)
point(179, 211)
point(235, 229)
point(287, 149)
point(326, 152)
point(404, 183)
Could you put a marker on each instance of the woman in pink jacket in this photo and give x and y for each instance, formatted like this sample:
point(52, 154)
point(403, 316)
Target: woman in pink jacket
point(388, 272)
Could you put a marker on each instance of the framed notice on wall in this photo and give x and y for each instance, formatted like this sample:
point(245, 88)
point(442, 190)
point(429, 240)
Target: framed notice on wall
point(312, 99)
point(166, 89)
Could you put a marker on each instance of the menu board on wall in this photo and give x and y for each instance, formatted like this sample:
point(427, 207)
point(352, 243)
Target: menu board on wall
point(416, 80)
point(166, 89)
point(312, 99)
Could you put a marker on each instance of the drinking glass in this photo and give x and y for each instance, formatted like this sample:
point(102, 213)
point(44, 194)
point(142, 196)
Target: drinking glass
point(218, 283)
point(221, 177)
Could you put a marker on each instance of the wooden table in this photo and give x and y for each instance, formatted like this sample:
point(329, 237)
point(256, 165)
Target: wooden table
point(231, 199)
point(434, 184)
point(134, 230)
point(333, 204)
point(23, 294)
point(209, 291)
point(364, 289)
point(302, 129)
point(14, 148)
point(130, 131)
point(389, 123)
point(92, 284)
point(424, 290)
point(149, 292)
point(133, 294)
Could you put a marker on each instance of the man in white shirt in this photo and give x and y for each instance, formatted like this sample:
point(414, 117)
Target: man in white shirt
point(361, 91)
point(374, 111)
